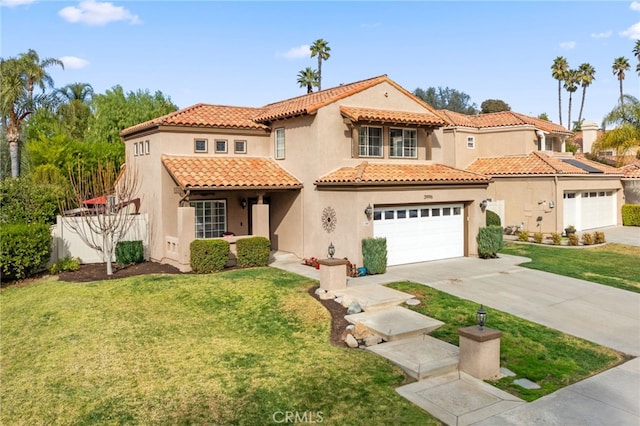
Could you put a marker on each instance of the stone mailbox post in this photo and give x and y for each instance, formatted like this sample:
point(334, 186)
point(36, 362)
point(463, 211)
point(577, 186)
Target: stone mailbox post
point(333, 274)
point(480, 352)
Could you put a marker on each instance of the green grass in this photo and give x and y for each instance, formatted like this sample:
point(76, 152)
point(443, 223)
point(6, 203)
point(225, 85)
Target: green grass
point(543, 355)
point(616, 265)
point(228, 348)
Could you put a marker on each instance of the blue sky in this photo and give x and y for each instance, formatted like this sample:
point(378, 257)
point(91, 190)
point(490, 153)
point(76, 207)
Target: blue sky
point(249, 53)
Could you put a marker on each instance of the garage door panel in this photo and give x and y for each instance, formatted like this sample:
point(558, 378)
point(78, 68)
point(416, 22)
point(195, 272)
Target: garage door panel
point(589, 209)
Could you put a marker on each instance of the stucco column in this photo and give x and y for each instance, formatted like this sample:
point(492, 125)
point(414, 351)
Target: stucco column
point(333, 273)
point(480, 352)
point(543, 144)
point(260, 215)
point(186, 234)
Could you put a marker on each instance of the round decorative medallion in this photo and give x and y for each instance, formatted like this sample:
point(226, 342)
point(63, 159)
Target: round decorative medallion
point(329, 219)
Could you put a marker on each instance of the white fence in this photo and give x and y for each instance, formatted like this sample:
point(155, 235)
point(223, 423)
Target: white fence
point(67, 242)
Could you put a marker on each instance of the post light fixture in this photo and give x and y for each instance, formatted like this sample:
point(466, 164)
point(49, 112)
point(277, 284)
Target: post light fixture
point(481, 317)
point(331, 250)
point(368, 211)
point(243, 203)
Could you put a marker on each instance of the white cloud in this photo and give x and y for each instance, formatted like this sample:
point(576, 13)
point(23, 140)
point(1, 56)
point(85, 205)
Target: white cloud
point(371, 25)
point(90, 12)
point(303, 51)
point(14, 3)
point(605, 34)
point(73, 62)
point(568, 45)
point(633, 32)
point(635, 6)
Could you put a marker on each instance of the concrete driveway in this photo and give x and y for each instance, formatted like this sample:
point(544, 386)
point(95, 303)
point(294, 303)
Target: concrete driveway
point(621, 234)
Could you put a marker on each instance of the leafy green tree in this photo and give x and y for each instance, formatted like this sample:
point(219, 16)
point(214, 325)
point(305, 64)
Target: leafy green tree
point(626, 134)
point(308, 78)
point(494, 105)
point(321, 49)
point(75, 108)
point(114, 111)
point(544, 116)
point(571, 86)
point(620, 65)
point(22, 201)
point(446, 98)
point(559, 70)
point(586, 76)
point(18, 78)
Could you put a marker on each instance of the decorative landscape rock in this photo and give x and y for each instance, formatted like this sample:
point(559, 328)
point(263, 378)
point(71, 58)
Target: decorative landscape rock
point(319, 291)
point(351, 327)
point(327, 295)
point(372, 340)
point(351, 341)
point(361, 331)
point(346, 301)
point(412, 302)
point(354, 308)
point(338, 299)
point(345, 333)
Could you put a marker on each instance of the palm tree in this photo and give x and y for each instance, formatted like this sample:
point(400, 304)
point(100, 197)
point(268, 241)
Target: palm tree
point(636, 52)
point(74, 111)
point(620, 65)
point(558, 72)
point(571, 85)
point(321, 49)
point(586, 74)
point(308, 78)
point(626, 117)
point(18, 77)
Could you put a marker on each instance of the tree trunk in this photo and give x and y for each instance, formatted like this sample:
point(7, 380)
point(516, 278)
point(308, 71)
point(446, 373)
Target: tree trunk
point(584, 93)
point(107, 251)
point(560, 101)
point(621, 97)
point(569, 116)
point(13, 138)
point(320, 72)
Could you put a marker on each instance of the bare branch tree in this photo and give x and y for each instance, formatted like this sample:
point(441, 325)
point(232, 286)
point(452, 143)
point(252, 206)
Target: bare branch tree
point(104, 224)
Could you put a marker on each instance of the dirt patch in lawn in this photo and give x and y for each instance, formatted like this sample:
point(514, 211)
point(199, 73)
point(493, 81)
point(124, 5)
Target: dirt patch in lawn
point(338, 323)
point(98, 271)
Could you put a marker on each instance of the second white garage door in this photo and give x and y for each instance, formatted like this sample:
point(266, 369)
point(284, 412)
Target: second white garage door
point(420, 233)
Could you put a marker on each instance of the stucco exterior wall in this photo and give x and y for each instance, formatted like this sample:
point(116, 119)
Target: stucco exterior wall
point(631, 191)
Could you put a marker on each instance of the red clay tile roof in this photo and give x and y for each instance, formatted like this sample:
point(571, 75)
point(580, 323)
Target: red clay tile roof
point(228, 173)
point(386, 116)
point(375, 173)
point(535, 163)
point(502, 119)
point(631, 171)
point(205, 115)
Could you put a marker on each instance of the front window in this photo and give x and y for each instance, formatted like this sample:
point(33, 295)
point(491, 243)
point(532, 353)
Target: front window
point(471, 142)
point(221, 146)
point(200, 145)
point(211, 218)
point(403, 143)
point(280, 144)
point(370, 142)
point(240, 147)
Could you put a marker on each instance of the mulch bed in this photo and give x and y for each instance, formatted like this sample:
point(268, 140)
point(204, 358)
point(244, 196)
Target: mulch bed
point(338, 323)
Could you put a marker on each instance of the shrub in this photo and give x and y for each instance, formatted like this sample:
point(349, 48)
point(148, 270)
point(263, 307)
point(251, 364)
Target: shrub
point(490, 241)
point(538, 237)
point(599, 237)
point(253, 251)
point(374, 255)
point(67, 264)
point(587, 239)
point(24, 249)
point(631, 215)
point(523, 235)
point(22, 201)
point(493, 219)
point(128, 252)
point(573, 240)
point(208, 255)
point(556, 238)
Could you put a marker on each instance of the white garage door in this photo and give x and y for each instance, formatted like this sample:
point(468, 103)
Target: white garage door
point(420, 233)
point(589, 209)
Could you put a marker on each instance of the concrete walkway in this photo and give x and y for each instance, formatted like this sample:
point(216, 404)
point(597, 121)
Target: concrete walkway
point(598, 313)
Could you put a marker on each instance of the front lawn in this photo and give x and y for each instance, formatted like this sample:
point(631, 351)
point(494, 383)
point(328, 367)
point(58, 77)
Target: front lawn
point(616, 265)
point(239, 347)
point(532, 351)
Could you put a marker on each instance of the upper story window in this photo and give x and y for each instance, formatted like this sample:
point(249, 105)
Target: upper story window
point(221, 146)
point(200, 145)
point(135, 149)
point(403, 143)
point(471, 142)
point(370, 142)
point(279, 148)
point(240, 147)
point(147, 147)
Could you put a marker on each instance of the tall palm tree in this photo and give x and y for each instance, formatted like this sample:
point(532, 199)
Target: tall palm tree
point(586, 73)
point(636, 52)
point(558, 72)
point(571, 81)
point(308, 78)
point(321, 49)
point(18, 77)
point(75, 109)
point(620, 65)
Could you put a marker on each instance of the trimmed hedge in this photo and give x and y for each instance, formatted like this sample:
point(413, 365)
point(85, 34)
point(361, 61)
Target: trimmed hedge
point(493, 219)
point(208, 255)
point(490, 241)
point(25, 249)
point(631, 215)
point(22, 201)
point(128, 252)
point(253, 251)
point(374, 255)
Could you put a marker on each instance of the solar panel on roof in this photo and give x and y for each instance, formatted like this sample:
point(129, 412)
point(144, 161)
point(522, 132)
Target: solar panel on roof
point(587, 168)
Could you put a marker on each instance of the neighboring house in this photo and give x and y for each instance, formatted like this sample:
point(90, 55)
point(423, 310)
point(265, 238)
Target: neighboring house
point(631, 182)
point(355, 161)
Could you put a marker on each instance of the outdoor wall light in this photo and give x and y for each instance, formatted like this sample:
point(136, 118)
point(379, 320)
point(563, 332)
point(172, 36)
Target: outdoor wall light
point(481, 317)
point(368, 211)
point(331, 250)
point(243, 203)
point(484, 203)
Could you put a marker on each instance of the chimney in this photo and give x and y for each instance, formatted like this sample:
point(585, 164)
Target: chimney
point(589, 135)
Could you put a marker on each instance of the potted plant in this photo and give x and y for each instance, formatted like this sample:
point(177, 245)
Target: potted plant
point(569, 230)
